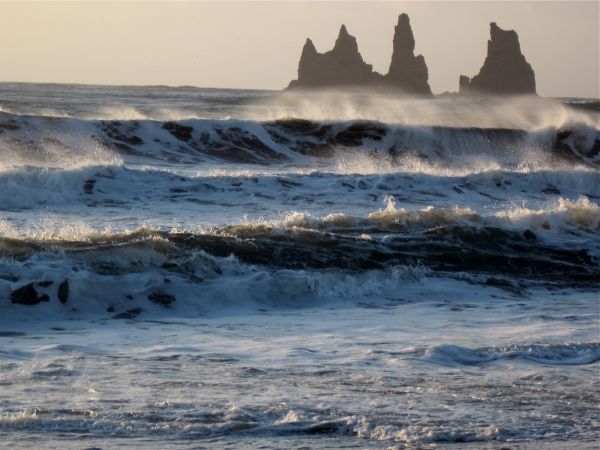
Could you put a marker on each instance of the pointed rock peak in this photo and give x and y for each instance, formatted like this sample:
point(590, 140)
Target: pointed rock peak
point(404, 41)
point(403, 19)
point(345, 42)
point(309, 47)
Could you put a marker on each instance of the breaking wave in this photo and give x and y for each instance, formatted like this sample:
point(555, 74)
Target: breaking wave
point(58, 142)
point(442, 239)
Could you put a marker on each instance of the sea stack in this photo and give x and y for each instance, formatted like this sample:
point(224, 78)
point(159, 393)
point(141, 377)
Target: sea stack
point(505, 70)
point(407, 72)
point(344, 68)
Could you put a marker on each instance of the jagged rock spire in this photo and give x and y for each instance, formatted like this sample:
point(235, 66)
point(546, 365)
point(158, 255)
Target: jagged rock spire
point(407, 71)
point(341, 66)
point(309, 48)
point(308, 59)
point(345, 43)
point(505, 70)
point(404, 40)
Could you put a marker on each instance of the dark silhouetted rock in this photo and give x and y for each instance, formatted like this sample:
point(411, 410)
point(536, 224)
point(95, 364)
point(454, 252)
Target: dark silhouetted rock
point(463, 83)
point(407, 71)
point(63, 291)
point(27, 295)
point(505, 70)
point(343, 66)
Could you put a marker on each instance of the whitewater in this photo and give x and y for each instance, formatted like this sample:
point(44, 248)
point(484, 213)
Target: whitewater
point(209, 268)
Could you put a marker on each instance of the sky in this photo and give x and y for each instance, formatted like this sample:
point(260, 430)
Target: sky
point(257, 44)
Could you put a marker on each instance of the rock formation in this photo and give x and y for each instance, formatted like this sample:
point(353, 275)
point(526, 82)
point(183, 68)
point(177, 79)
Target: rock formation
point(344, 67)
point(407, 71)
point(505, 70)
point(341, 66)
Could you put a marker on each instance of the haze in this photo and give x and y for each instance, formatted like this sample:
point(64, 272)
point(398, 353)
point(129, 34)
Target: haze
point(257, 44)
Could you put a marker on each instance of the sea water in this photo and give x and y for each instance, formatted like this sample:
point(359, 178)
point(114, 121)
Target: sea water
point(192, 268)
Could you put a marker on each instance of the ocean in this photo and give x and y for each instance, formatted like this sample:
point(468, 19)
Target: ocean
point(208, 268)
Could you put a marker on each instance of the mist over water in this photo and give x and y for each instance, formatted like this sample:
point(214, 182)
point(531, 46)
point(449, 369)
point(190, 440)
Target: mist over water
point(184, 267)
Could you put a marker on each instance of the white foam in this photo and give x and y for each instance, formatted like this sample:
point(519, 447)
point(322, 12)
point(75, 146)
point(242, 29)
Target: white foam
point(528, 113)
point(556, 216)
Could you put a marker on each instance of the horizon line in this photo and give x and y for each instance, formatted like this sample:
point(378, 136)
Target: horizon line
point(189, 86)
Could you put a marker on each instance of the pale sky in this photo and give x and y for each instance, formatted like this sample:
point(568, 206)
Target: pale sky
point(258, 44)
